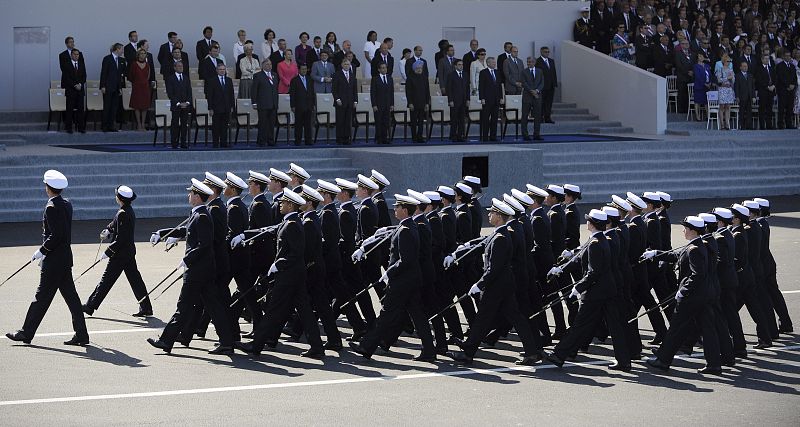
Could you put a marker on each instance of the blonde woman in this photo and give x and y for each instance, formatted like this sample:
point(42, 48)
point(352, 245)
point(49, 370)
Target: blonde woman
point(248, 66)
point(725, 79)
point(287, 70)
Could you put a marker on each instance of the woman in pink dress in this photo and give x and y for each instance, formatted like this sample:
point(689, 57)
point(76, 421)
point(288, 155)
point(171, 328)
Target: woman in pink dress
point(287, 69)
point(139, 75)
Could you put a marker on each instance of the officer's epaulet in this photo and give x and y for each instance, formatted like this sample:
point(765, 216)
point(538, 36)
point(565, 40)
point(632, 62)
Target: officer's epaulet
point(50, 204)
point(404, 227)
point(594, 241)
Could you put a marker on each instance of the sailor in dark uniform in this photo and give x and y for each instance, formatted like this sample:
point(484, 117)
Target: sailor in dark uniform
point(122, 256)
point(655, 269)
point(460, 274)
point(627, 306)
point(770, 270)
point(446, 283)
point(668, 269)
point(298, 175)
point(755, 234)
point(728, 280)
point(542, 254)
point(572, 217)
point(366, 226)
point(384, 220)
point(55, 259)
point(555, 214)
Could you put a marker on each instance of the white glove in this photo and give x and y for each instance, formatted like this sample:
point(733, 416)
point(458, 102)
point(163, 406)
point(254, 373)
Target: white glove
point(385, 278)
point(237, 240)
point(461, 247)
point(104, 234)
point(171, 241)
point(370, 240)
point(104, 256)
point(574, 293)
point(381, 230)
point(448, 261)
point(554, 271)
point(474, 290)
point(566, 254)
point(678, 296)
point(37, 255)
point(272, 269)
point(467, 245)
point(358, 255)
point(154, 238)
point(182, 266)
point(649, 254)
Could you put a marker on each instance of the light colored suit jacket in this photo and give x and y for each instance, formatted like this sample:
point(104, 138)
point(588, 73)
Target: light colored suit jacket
point(513, 74)
point(318, 72)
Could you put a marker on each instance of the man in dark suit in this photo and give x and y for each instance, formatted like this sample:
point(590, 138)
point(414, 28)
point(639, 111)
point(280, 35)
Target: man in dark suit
point(315, 53)
point(131, 47)
point(532, 86)
point(457, 90)
point(745, 89)
point(602, 20)
point(345, 98)
point(472, 55)
point(501, 59)
point(179, 91)
point(382, 56)
point(177, 56)
point(112, 80)
point(264, 98)
point(765, 84)
point(418, 95)
point(278, 56)
point(445, 68)
point(302, 99)
point(582, 29)
point(381, 93)
point(491, 93)
point(219, 93)
point(662, 57)
point(785, 85)
point(340, 56)
point(643, 45)
point(548, 67)
point(204, 45)
point(73, 81)
point(207, 67)
point(685, 74)
point(414, 58)
point(747, 56)
point(65, 57)
point(165, 51)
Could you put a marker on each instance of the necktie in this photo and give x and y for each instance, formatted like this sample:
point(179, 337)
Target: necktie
point(533, 73)
point(450, 59)
point(383, 77)
point(347, 76)
point(116, 62)
point(459, 74)
point(491, 71)
point(547, 62)
point(75, 63)
point(180, 78)
point(222, 81)
point(303, 79)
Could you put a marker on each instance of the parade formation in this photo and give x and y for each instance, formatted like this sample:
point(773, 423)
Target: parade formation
point(302, 256)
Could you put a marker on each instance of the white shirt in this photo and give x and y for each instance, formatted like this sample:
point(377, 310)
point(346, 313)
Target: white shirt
point(267, 48)
point(228, 203)
point(238, 49)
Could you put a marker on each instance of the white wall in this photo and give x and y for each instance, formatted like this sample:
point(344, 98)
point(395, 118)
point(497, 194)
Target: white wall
point(96, 24)
point(613, 89)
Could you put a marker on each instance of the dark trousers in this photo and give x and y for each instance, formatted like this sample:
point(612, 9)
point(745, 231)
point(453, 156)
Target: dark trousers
point(730, 311)
point(418, 123)
point(444, 290)
point(398, 306)
point(351, 273)
point(657, 278)
point(547, 103)
point(179, 127)
point(746, 113)
point(503, 327)
point(383, 120)
point(342, 293)
point(461, 285)
point(688, 315)
point(302, 127)
point(775, 295)
point(747, 295)
point(111, 101)
point(266, 127)
point(113, 270)
point(532, 108)
point(74, 113)
point(765, 100)
point(430, 303)
point(321, 303)
point(192, 295)
point(458, 116)
point(493, 304)
point(536, 297)
point(683, 96)
point(244, 281)
point(590, 315)
point(785, 107)
point(289, 294)
point(550, 295)
point(50, 281)
point(344, 124)
point(489, 121)
point(643, 298)
point(219, 128)
point(203, 315)
point(723, 333)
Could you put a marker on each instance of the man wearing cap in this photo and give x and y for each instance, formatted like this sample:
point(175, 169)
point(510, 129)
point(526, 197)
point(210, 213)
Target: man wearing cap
point(366, 226)
point(475, 205)
point(447, 284)
point(259, 215)
point(55, 259)
point(199, 287)
point(542, 254)
point(770, 270)
point(756, 243)
point(460, 276)
point(728, 281)
point(670, 281)
point(693, 296)
point(442, 294)
point(329, 224)
point(497, 292)
point(403, 279)
point(572, 217)
point(277, 185)
point(298, 175)
point(289, 292)
point(582, 31)
point(121, 253)
point(596, 291)
point(384, 220)
point(655, 274)
point(555, 214)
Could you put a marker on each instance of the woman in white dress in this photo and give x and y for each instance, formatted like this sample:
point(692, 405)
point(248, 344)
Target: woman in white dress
point(248, 66)
point(725, 79)
point(370, 47)
point(475, 69)
point(269, 44)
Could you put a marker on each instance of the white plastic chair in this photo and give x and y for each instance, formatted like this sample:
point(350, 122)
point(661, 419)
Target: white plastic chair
point(713, 108)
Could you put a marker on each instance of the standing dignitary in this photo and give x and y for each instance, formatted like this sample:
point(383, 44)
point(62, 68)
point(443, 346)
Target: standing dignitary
point(199, 271)
point(264, 98)
point(403, 279)
point(207, 66)
point(744, 88)
point(532, 87)
point(418, 94)
point(289, 292)
point(382, 56)
point(765, 85)
point(219, 92)
point(121, 255)
point(65, 56)
point(73, 80)
point(490, 91)
point(512, 73)
point(165, 52)
point(55, 259)
point(205, 44)
point(457, 89)
point(786, 84)
point(382, 96)
point(445, 68)
point(112, 80)
point(302, 99)
point(345, 99)
point(179, 91)
point(548, 66)
point(322, 73)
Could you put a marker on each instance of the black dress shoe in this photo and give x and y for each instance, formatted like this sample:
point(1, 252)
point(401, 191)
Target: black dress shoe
point(454, 340)
point(356, 347)
point(459, 357)
point(555, 360)
point(199, 333)
point(249, 335)
point(657, 340)
point(383, 345)
point(221, 349)
point(357, 335)
point(637, 356)
point(425, 357)
point(710, 370)
point(184, 341)
point(334, 345)
point(86, 309)
point(160, 344)
point(529, 360)
point(787, 329)
point(77, 341)
point(655, 363)
point(616, 366)
point(143, 313)
point(314, 353)
point(246, 347)
point(763, 344)
point(291, 333)
point(18, 336)
point(442, 350)
point(729, 363)
point(558, 334)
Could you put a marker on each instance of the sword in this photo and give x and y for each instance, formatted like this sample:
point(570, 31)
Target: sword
point(87, 270)
point(98, 249)
point(660, 306)
point(471, 249)
point(159, 284)
point(372, 285)
point(462, 297)
point(164, 237)
point(15, 273)
point(168, 286)
point(266, 294)
point(661, 253)
point(548, 306)
point(266, 230)
point(241, 295)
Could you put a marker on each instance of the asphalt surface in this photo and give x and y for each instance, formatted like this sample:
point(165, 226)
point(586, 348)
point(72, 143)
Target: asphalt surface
point(120, 379)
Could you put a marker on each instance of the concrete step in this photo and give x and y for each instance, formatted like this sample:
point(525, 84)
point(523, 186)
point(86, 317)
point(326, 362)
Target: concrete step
point(570, 110)
point(700, 192)
point(635, 150)
point(572, 117)
point(588, 177)
point(611, 130)
point(663, 165)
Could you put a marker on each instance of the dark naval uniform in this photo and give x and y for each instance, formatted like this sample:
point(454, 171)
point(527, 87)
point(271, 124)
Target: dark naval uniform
point(240, 261)
point(351, 272)
point(315, 277)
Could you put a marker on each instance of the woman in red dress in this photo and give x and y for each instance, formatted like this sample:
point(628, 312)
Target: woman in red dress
point(139, 75)
point(287, 70)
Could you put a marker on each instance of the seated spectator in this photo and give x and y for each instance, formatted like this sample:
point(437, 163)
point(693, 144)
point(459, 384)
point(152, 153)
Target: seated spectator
point(287, 70)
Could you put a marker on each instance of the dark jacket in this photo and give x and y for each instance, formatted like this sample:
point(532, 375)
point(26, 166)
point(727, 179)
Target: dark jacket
point(219, 216)
point(744, 87)
point(330, 238)
point(122, 228)
point(378, 60)
point(550, 77)
point(542, 251)
point(302, 98)
point(238, 222)
point(178, 92)
point(598, 278)
point(346, 91)
point(220, 99)
point(70, 77)
point(572, 226)
point(263, 93)
point(404, 271)
point(206, 68)
point(384, 220)
point(112, 74)
point(425, 250)
point(418, 91)
point(490, 89)
point(259, 215)
point(202, 48)
point(199, 255)
point(448, 216)
point(367, 220)
point(557, 227)
point(498, 276)
point(57, 234)
point(457, 89)
point(290, 255)
point(382, 95)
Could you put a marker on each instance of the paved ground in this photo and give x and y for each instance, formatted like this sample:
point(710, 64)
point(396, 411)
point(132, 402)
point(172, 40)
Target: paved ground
point(119, 379)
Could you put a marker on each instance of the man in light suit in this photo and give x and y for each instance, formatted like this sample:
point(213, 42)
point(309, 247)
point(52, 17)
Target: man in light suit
point(512, 70)
point(345, 99)
point(302, 99)
point(322, 73)
point(491, 93)
point(382, 96)
point(458, 98)
point(179, 92)
point(219, 93)
point(264, 97)
point(73, 81)
point(532, 86)
point(445, 68)
point(112, 80)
